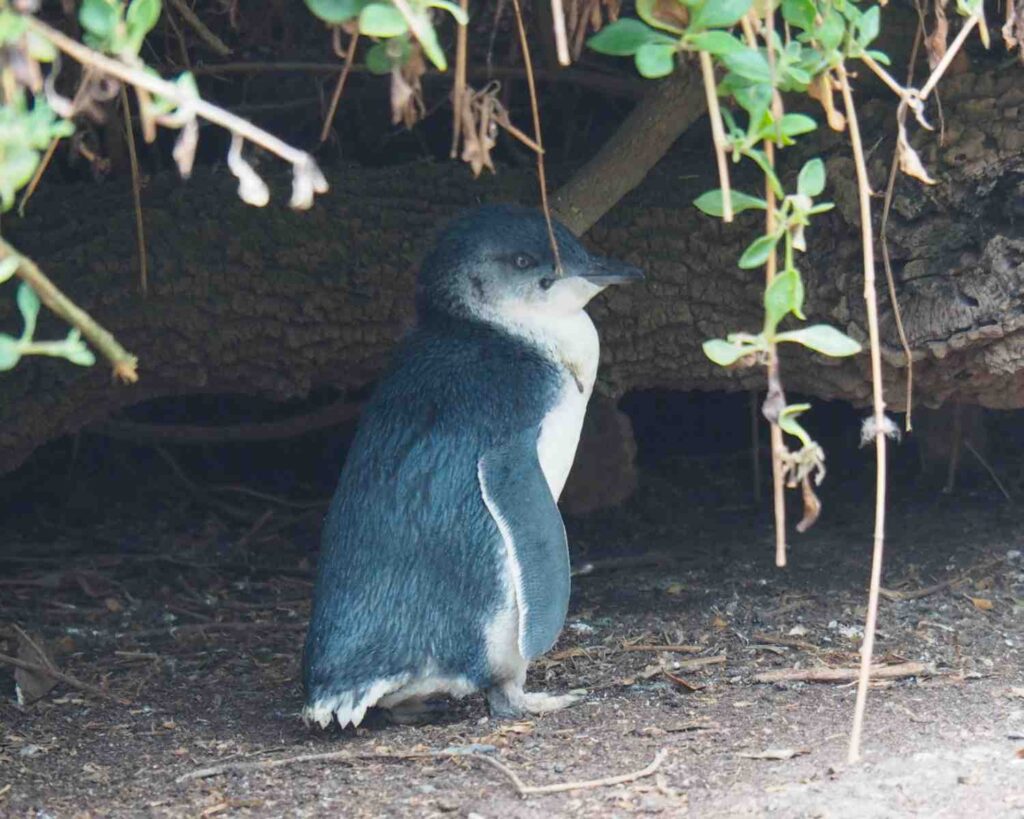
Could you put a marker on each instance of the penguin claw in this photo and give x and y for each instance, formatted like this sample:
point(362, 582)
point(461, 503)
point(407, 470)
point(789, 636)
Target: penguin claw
point(511, 702)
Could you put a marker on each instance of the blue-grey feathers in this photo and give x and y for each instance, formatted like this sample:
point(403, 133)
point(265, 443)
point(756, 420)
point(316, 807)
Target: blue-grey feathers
point(412, 565)
point(517, 495)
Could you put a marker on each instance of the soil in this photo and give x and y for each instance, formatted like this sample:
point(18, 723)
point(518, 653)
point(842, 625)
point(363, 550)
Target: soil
point(196, 623)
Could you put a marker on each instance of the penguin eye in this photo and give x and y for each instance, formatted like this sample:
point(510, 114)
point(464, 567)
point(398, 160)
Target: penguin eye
point(546, 282)
point(524, 261)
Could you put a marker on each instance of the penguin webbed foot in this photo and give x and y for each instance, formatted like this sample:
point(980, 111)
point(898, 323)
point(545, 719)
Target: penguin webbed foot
point(509, 701)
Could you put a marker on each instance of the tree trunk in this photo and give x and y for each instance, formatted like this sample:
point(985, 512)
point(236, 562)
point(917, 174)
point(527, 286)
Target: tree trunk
point(273, 303)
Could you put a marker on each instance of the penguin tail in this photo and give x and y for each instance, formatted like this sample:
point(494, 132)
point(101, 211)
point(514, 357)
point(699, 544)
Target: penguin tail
point(348, 707)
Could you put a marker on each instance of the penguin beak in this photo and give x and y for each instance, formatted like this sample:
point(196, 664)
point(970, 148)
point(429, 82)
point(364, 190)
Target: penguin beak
point(603, 272)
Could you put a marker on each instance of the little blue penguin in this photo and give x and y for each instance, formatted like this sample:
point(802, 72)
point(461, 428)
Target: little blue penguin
point(444, 567)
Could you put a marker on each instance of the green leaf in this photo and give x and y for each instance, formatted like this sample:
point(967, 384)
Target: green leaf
point(783, 296)
point(719, 13)
point(623, 38)
point(16, 169)
point(10, 352)
point(335, 11)
point(799, 13)
point(749, 64)
point(377, 59)
point(725, 353)
point(381, 20)
point(431, 47)
point(822, 207)
point(100, 17)
point(879, 57)
point(8, 267)
point(869, 25)
point(793, 125)
point(75, 350)
point(811, 180)
point(141, 17)
point(645, 8)
point(655, 60)
point(767, 169)
point(789, 424)
point(758, 252)
point(754, 99)
point(715, 42)
point(40, 49)
point(712, 202)
point(823, 339)
point(28, 304)
point(454, 9)
point(12, 26)
point(830, 32)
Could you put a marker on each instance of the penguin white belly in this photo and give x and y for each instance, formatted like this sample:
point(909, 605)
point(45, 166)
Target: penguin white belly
point(575, 344)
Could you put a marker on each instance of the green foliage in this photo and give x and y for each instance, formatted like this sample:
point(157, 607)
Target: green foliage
point(823, 339)
point(334, 12)
point(107, 25)
point(381, 20)
point(12, 349)
point(25, 132)
point(712, 202)
point(384, 22)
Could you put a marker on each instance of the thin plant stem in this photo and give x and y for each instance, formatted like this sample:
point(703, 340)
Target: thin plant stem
point(459, 90)
point(717, 133)
point(887, 262)
point(878, 403)
point(951, 52)
point(535, 110)
point(777, 440)
point(332, 109)
point(140, 228)
point(168, 90)
point(125, 364)
point(561, 39)
point(207, 36)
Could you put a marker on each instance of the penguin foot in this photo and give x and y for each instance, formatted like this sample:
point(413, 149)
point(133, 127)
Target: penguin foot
point(416, 712)
point(509, 701)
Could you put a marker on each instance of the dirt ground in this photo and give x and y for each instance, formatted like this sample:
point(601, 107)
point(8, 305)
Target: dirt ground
point(195, 624)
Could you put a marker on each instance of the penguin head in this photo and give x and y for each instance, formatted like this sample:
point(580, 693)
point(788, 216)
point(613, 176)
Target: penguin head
point(496, 262)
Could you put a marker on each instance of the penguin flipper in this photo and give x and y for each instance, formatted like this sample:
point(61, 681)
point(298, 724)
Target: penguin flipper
point(518, 497)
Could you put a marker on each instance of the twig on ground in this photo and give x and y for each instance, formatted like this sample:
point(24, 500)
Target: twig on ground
point(448, 753)
point(125, 364)
point(679, 649)
point(878, 405)
point(562, 787)
point(791, 642)
point(200, 628)
point(841, 675)
point(916, 594)
point(60, 676)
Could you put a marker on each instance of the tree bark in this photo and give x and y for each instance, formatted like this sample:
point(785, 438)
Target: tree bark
point(273, 303)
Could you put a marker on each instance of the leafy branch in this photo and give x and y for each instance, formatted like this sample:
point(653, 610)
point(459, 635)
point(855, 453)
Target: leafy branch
point(34, 117)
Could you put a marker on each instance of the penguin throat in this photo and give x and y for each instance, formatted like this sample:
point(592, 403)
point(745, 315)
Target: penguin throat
point(568, 340)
